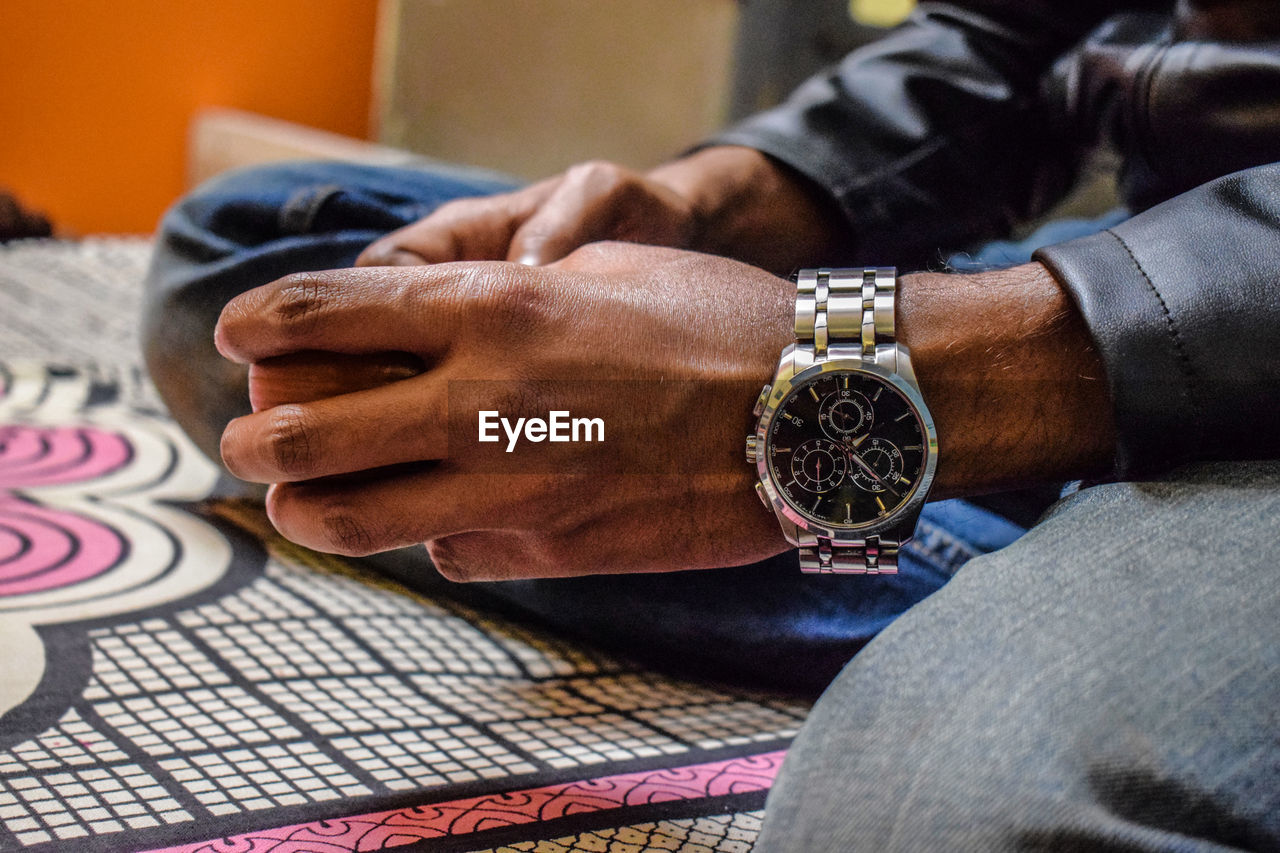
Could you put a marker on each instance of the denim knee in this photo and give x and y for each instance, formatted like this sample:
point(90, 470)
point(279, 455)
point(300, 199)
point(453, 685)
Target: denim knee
point(249, 227)
point(233, 233)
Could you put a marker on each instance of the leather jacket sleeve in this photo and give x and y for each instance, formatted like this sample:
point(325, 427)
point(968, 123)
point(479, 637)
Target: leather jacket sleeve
point(972, 117)
point(1183, 302)
point(936, 135)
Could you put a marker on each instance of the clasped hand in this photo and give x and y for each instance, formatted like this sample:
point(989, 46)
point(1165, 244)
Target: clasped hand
point(351, 373)
point(341, 429)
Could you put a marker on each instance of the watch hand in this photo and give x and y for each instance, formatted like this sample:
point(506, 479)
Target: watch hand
point(871, 472)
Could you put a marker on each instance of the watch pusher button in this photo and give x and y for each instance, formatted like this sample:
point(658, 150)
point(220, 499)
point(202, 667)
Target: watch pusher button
point(764, 398)
point(752, 455)
point(764, 499)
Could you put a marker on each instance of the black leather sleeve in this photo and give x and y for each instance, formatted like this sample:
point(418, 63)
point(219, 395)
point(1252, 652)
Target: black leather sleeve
point(1183, 302)
point(936, 135)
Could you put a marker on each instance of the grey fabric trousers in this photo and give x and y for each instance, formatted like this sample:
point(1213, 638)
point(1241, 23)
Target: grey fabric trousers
point(1110, 681)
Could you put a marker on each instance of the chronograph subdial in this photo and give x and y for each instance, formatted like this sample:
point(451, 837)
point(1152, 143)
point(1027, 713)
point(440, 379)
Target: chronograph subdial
point(819, 465)
point(881, 468)
point(844, 414)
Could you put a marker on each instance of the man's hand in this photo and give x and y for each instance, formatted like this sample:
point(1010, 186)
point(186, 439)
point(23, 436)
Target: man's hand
point(727, 200)
point(353, 373)
point(667, 347)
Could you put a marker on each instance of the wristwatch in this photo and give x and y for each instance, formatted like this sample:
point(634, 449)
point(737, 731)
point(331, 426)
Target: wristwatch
point(844, 446)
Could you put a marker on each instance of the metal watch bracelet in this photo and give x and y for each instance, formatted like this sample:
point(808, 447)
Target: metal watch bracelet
point(847, 313)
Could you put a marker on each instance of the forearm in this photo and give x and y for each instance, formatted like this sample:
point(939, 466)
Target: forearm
point(1012, 379)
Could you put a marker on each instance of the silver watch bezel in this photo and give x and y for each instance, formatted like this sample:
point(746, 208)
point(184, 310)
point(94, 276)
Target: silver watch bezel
point(784, 383)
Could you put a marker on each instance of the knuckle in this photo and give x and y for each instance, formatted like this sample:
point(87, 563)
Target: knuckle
point(472, 206)
point(505, 298)
point(449, 214)
point(519, 302)
point(601, 175)
point(301, 302)
point(350, 536)
point(323, 519)
point(445, 212)
point(291, 441)
point(607, 169)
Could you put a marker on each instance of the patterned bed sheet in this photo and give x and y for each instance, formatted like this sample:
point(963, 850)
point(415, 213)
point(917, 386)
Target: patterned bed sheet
point(175, 676)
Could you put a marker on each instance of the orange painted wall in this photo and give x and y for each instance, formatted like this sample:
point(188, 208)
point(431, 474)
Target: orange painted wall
point(96, 95)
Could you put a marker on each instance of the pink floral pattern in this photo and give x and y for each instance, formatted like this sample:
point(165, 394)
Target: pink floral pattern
point(43, 456)
point(44, 548)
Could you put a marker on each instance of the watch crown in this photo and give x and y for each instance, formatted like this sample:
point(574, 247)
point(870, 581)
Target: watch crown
point(764, 398)
point(752, 454)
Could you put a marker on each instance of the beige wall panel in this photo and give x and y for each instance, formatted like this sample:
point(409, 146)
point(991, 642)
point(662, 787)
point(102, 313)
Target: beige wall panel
point(531, 86)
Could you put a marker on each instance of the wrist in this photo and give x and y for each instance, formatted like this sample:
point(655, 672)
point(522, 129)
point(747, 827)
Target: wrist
point(1009, 371)
point(749, 206)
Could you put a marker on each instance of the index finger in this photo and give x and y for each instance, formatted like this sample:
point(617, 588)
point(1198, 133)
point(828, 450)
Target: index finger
point(467, 229)
point(307, 376)
point(352, 311)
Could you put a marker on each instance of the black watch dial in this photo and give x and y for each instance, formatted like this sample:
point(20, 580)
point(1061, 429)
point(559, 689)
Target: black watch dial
point(846, 448)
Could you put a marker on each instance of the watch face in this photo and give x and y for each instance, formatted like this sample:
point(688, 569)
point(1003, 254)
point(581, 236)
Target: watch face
point(846, 448)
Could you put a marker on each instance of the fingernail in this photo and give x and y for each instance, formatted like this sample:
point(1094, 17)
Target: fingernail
point(530, 259)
